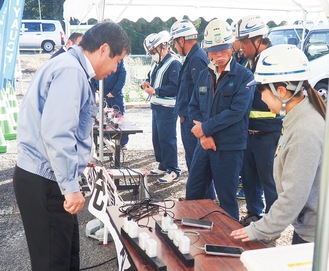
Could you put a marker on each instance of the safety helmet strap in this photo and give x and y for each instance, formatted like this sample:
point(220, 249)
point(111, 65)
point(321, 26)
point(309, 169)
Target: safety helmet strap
point(290, 87)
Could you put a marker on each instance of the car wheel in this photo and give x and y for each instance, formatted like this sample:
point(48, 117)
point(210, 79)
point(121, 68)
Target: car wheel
point(48, 46)
point(322, 89)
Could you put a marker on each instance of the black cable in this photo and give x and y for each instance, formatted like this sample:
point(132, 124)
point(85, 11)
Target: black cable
point(97, 265)
point(141, 209)
point(223, 213)
point(133, 183)
point(141, 178)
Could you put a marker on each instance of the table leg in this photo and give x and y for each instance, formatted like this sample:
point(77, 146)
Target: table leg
point(95, 137)
point(117, 153)
point(143, 188)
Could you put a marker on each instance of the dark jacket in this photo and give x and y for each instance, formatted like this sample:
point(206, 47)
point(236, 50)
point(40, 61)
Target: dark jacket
point(195, 61)
point(58, 52)
point(224, 107)
point(114, 84)
point(258, 107)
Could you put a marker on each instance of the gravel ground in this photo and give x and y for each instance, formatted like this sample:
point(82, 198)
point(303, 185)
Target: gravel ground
point(13, 249)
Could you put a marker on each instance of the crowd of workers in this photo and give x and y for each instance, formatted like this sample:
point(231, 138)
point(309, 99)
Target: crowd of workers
point(242, 104)
point(246, 110)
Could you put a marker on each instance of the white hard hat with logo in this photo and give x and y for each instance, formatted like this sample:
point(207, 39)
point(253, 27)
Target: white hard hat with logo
point(218, 36)
point(282, 63)
point(233, 26)
point(155, 39)
point(183, 28)
point(250, 26)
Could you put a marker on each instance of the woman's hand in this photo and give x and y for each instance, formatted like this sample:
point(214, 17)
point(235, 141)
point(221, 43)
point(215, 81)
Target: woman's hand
point(240, 234)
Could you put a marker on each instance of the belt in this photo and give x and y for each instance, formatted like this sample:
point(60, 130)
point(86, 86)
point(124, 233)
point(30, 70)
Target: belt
point(251, 132)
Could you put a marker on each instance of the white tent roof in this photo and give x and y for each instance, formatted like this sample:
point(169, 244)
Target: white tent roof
point(273, 10)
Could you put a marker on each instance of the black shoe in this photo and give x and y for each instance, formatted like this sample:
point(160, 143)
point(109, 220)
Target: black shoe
point(246, 220)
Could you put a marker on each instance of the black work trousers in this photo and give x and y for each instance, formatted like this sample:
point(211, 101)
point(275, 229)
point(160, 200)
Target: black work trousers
point(52, 234)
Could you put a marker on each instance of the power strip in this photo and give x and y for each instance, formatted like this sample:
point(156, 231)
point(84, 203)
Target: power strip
point(187, 259)
point(155, 262)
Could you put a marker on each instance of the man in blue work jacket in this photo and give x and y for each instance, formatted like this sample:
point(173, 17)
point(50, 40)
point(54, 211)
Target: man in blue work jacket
point(184, 35)
point(161, 85)
point(113, 92)
point(264, 128)
point(220, 108)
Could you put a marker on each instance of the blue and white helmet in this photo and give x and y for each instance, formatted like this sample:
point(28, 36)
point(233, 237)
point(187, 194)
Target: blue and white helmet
point(183, 28)
point(233, 26)
point(282, 63)
point(155, 39)
point(218, 36)
point(250, 26)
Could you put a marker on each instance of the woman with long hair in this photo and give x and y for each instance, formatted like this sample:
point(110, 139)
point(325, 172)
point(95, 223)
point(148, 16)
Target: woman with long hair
point(282, 72)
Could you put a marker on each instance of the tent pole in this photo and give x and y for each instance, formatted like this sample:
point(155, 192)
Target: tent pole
point(321, 246)
point(101, 120)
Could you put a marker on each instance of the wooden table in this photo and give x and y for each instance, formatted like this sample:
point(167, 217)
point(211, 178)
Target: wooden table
point(220, 234)
point(124, 129)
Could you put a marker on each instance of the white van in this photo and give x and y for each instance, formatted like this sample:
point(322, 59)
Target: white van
point(44, 34)
point(315, 47)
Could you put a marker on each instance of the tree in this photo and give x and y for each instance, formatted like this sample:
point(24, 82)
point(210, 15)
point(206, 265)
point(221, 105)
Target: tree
point(137, 31)
point(50, 9)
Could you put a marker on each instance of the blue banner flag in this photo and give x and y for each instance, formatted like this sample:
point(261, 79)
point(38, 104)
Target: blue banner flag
point(10, 24)
point(3, 20)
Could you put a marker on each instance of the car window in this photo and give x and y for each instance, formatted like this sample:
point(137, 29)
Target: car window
point(319, 36)
point(32, 27)
point(287, 36)
point(48, 27)
point(317, 44)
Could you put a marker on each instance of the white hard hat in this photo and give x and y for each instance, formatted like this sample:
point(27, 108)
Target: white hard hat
point(217, 36)
point(183, 28)
point(165, 36)
point(155, 39)
point(149, 42)
point(250, 26)
point(281, 63)
point(233, 26)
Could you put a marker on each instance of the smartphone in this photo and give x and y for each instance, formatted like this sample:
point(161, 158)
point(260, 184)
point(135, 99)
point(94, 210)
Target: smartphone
point(223, 250)
point(199, 223)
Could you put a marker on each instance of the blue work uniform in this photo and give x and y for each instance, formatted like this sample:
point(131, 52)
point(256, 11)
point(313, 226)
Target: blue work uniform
point(241, 59)
point(163, 77)
point(257, 170)
point(223, 107)
point(195, 61)
point(114, 84)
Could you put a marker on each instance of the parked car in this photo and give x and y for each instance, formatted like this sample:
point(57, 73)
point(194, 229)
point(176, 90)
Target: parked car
point(315, 46)
point(41, 34)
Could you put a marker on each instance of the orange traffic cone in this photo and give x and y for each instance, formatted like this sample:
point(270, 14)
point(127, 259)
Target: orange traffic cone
point(3, 143)
point(5, 121)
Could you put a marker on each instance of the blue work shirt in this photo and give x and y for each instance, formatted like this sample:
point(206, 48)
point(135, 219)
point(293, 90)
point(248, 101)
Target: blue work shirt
point(56, 120)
